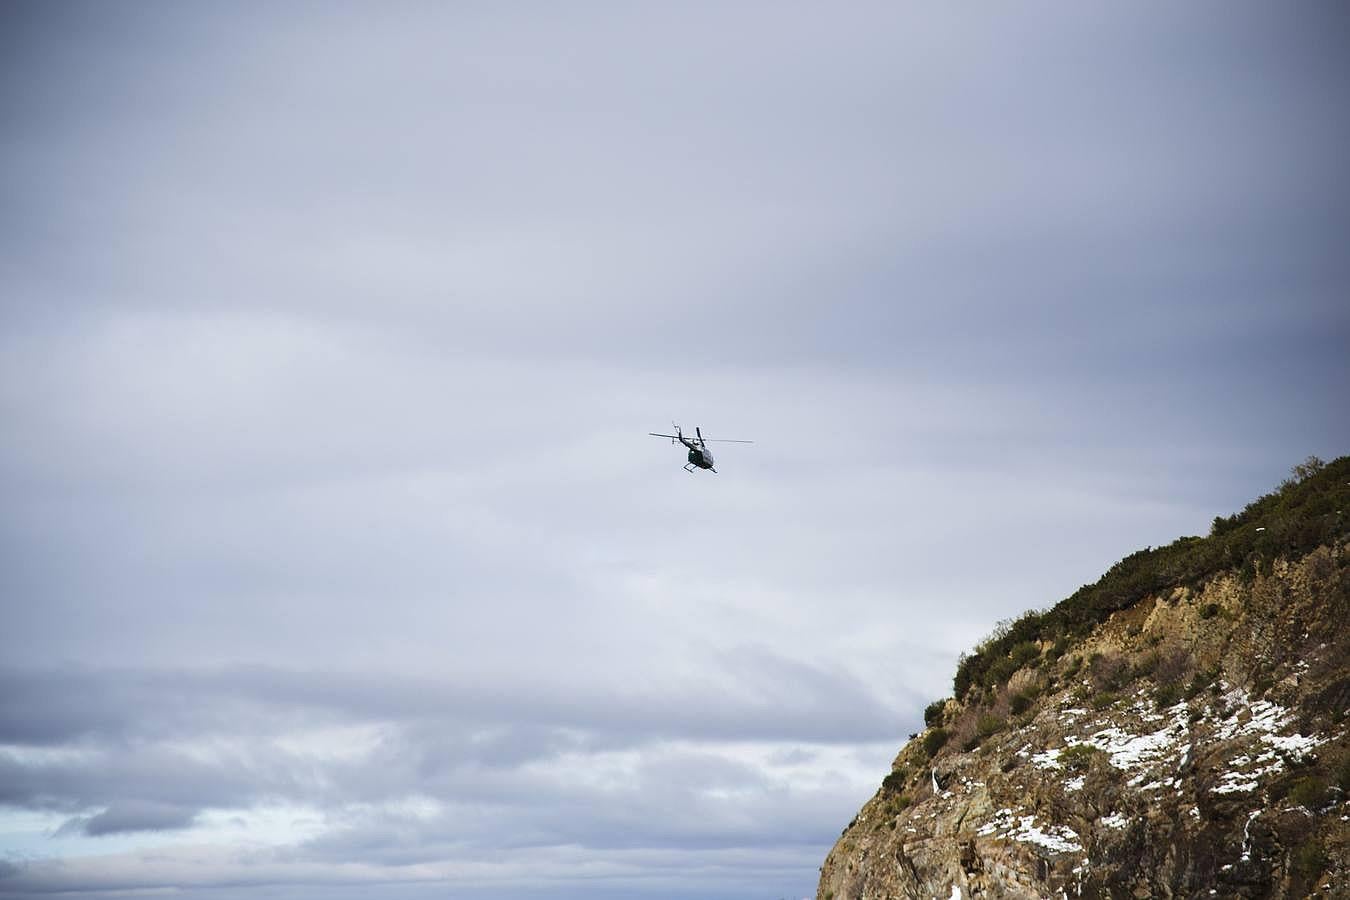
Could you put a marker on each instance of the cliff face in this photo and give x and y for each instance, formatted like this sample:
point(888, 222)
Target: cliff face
point(1194, 742)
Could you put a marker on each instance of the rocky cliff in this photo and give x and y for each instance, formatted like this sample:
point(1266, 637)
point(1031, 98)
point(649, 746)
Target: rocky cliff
point(1179, 729)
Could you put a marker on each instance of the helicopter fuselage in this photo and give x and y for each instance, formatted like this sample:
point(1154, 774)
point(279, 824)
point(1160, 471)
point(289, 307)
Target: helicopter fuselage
point(699, 455)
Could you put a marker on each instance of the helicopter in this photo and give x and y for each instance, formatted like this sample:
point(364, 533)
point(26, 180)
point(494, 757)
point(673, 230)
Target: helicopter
point(700, 457)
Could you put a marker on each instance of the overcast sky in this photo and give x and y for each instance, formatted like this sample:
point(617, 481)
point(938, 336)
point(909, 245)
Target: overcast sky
point(334, 556)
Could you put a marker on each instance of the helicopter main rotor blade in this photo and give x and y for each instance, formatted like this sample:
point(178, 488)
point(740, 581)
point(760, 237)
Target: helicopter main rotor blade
point(676, 437)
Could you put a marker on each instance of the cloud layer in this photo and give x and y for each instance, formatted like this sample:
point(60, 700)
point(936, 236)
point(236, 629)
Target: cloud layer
point(334, 554)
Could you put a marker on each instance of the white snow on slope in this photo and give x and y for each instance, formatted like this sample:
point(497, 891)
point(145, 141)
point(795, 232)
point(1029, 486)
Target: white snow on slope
point(1265, 719)
point(1048, 759)
point(1131, 751)
point(1055, 838)
point(1115, 820)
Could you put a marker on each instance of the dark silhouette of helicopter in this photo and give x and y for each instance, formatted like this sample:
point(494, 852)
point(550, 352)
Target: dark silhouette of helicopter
point(700, 456)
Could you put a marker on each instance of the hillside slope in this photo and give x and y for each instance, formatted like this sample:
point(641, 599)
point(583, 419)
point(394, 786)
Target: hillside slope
point(1179, 729)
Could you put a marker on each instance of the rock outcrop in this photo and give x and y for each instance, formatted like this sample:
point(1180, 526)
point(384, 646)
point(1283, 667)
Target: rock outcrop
point(1191, 739)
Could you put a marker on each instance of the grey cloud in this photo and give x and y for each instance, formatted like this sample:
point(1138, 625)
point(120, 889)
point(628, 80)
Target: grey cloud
point(761, 696)
point(167, 745)
point(500, 785)
point(130, 816)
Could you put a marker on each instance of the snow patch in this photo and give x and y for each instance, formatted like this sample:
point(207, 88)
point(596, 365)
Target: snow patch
point(1293, 744)
point(1243, 782)
point(1048, 759)
point(1115, 820)
point(1002, 819)
point(1242, 778)
point(1261, 716)
point(1128, 751)
point(1055, 838)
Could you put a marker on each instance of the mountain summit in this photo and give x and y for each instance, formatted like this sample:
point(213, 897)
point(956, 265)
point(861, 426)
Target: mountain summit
point(1177, 729)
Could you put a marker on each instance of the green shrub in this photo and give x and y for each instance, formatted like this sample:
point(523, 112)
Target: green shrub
point(894, 782)
point(1310, 792)
point(933, 713)
point(1302, 472)
point(1023, 653)
point(1019, 703)
point(1104, 699)
point(1310, 859)
point(892, 807)
point(1079, 757)
point(1061, 646)
point(1200, 681)
point(1166, 696)
point(933, 740)
point(1000, 672)
point(988, 725)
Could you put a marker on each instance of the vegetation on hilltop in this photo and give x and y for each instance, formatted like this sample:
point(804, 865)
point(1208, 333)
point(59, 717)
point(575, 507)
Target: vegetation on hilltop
point(1308, 509)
